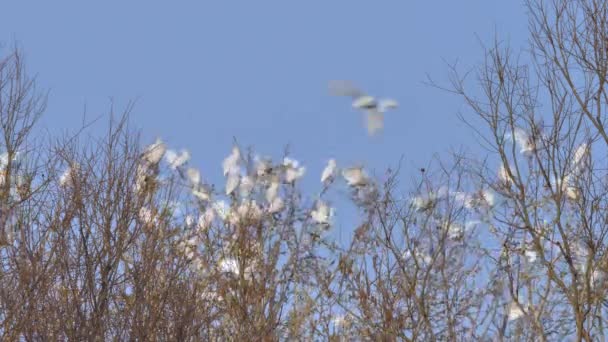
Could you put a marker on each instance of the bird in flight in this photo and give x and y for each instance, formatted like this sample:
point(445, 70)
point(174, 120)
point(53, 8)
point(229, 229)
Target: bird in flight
point(373, 108)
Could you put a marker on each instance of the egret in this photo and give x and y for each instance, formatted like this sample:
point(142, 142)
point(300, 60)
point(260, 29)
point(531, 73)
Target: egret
point(194, 176)
point(273, 191)
point(205, 219)
point(155, 152)
point(329, 172)
point(321, 214)
point(355, 176)
point(293, 170)
point(201, 193)
point(581, 157)
point(229, 265)
point(374, 108)
point(515, 312)
point(231, 163)
point(523, 140)
point(276, 205)
point(246, 186)
point(66, 177)
point(232, 182)
point(176, 160)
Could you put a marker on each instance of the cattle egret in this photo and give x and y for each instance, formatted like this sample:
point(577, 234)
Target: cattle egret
point(515, 312)
point(249, 211)
point(155, 152)
point(581, 156)
point(232, 182)
point(455, 231)
point(141, 178)
point(374, 108)
point(276, 205)
point(146, 215)
point(355, 176)
point(339, 321)
point(222, 209)
point(66, 177)
point(194, 176)
point(3, 159)
point(272, 191)
point(189, 220)
point(531, 255)
point(229, 265)
point(503, 175)
point(177, 160)
point(522, 139)
point(205, 219)
point(231, 163)
point(293, 170)
point(201, 193)
point(419, 256)
point(321, 214)
point(246, 186)
point(422, 203)
point(329, 172)
point(464, 199)
point(488, 197)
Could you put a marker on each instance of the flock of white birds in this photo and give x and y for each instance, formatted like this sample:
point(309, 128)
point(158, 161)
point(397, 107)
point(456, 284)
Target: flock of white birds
point(269, 177)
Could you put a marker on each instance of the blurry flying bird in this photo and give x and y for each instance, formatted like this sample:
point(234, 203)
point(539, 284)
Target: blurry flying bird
point(374, 108)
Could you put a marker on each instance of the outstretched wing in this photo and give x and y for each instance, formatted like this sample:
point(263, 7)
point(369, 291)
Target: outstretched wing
point(344, 88)
point(386, 104)
point(375, 121)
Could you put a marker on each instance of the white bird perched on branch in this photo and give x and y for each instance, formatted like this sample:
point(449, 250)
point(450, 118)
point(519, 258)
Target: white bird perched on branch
point(374, 108)
point(523, 140)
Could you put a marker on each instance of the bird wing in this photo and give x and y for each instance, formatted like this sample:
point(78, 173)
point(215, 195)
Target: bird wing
point(385, 104)
point(345, 88)
point(375, 121)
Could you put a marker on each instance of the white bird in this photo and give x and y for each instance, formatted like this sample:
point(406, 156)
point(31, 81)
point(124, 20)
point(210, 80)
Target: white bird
point(146, 215)
point(201, 193)
point(515, 312)
point(229, 265)
point(355, 176)
point(322, 213)
point(246, 186)
point(232, 182)
point(222, 209)
point(293, 170)
point(263, 166)
point(3, 159)
point(329, 172)
point(503, 176)
point(276, 205)
point(374, 108)
point(231, 163)
point(581, 157)
point(155, 152)
point(66, 177)
point(194, 176)
point(273, 191)
point(523, 140)
point(205, 219)
point(531, 255)
point(176, 160)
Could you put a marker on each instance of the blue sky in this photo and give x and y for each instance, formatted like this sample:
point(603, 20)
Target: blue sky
point(203, 72)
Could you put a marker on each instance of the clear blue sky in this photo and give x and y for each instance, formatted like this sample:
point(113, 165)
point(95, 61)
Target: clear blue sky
point(204, 72)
